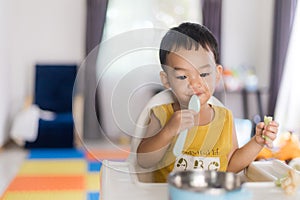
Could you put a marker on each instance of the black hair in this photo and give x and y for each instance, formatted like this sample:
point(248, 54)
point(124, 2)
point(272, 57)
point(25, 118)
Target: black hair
point(188, 35)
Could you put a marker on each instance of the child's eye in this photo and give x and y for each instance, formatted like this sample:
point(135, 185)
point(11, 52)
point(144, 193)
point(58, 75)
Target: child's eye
point(204, 75)
point(181, 77)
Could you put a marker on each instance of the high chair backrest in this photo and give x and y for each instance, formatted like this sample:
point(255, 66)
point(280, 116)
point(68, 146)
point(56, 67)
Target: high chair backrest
point(140, 174)
point(164, 97)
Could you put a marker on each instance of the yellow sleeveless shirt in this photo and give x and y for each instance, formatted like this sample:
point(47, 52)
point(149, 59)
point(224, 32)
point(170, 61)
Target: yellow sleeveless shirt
point(213, 140)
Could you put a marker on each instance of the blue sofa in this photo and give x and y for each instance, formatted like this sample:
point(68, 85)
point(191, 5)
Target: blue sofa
point(53, 92)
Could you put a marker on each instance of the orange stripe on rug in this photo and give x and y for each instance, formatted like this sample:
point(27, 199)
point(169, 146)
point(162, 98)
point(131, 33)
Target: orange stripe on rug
point(31, 183)
point(107, 154)
point(45, 195)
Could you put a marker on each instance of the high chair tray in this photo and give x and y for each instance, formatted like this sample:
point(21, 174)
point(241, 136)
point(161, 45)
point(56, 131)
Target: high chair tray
point(118, 184)
point(266, 171)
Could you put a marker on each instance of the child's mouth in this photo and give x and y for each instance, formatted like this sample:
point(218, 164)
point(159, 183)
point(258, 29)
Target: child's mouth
point(197, 93)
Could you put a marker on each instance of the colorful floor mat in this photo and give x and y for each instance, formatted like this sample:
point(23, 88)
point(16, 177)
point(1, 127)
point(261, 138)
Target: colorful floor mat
point(60, 174)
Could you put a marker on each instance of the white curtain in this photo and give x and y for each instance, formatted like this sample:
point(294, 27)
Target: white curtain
point(287, 111)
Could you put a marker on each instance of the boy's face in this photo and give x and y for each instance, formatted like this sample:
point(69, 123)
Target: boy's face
point(189, 72)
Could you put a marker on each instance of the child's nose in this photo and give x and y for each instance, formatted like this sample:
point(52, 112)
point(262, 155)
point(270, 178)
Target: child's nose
point(195, 82)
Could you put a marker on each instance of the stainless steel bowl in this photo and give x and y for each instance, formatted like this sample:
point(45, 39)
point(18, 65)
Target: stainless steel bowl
point(204, 181)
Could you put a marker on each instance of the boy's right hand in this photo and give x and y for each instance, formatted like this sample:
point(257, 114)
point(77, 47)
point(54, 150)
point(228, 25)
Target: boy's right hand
point(181, 120)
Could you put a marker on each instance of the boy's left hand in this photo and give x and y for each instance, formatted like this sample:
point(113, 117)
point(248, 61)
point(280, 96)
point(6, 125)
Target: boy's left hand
point(266, 134)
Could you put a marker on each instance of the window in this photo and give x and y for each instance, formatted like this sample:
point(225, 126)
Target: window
point(124, 16)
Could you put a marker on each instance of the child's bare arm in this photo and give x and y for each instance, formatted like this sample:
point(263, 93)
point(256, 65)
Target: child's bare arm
point(243, 156)
point(153, 147)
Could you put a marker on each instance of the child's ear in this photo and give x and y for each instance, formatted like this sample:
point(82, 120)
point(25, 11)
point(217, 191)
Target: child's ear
point(219, 73)
point(164, 79)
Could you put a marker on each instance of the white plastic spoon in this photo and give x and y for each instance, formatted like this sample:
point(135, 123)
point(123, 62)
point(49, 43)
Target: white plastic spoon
point(194, 104)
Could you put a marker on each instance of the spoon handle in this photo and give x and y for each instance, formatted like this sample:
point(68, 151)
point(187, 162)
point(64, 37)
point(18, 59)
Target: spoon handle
point(194, 104)
point(180, 143)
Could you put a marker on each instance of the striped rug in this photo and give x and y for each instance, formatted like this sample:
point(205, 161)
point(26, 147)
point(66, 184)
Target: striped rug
point(60, 174)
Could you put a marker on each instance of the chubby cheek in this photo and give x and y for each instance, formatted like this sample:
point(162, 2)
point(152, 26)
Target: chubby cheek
point(182, 92)
point(209, 85)
point(204, 98)
point(178, 85)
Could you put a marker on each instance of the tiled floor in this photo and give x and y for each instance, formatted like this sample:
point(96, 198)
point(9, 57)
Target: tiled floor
point(11, 158)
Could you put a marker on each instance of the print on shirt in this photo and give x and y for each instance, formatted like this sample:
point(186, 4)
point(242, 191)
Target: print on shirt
point(188, 162)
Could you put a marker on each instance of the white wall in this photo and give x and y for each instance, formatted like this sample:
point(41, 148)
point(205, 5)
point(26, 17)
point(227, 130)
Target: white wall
point(44, 31)
point(4, 74)
point(247, 28)
point(39, 31)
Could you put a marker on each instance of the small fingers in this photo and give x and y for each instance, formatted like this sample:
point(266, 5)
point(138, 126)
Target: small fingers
point(269, 133)
point(187, 119)
point(269, 136)
point(259, 128)
point(274, 123)
point(270, 130)
point(272, 127)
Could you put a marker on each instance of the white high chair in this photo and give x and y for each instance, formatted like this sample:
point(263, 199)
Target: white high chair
point(126, 180)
